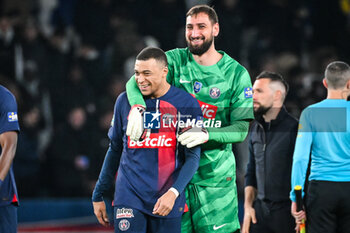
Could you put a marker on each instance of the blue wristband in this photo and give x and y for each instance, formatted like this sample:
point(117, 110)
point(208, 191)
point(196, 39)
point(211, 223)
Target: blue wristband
point(1, 181)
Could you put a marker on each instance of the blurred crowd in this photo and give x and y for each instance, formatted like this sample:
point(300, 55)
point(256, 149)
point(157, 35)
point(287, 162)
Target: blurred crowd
point(66, 61)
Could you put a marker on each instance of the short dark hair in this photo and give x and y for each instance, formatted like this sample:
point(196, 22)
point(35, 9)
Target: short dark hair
point(274, 77)
point(152, 52)
point(337, 74)
point(213, 17)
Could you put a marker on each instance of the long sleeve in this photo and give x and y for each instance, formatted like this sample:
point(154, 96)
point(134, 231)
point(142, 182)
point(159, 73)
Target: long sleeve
point(112, 159)
point(236, 132)
point(301, 155)
point(250, 177)
point(107, 174)
point(188, 169)
point(240, 112)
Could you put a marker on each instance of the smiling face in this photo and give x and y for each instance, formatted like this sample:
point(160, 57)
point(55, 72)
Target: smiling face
point(150, 76)
point(200, 33)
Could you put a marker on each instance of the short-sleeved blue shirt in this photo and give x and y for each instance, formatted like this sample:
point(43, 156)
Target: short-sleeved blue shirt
point(8, 122)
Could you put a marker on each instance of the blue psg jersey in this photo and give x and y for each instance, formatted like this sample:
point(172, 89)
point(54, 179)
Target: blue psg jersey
point(8, 122)
point(149, 168)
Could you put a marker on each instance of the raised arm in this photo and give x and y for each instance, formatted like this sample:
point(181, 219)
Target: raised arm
point(133, 92)
point(240, 114)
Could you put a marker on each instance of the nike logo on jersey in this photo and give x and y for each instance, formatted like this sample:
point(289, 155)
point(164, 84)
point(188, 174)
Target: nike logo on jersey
point(184, 81)
point(216, 228)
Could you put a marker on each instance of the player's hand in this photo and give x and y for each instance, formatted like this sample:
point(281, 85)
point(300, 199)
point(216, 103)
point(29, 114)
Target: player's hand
point(101, 213)
point(164, 204)
point(249, 216)
point(135, 122)
point(299, 216)
point(192, 137)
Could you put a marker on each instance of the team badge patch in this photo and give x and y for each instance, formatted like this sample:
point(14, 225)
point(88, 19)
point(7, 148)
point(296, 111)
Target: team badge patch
point(12, 116)
point(214, 93)
point(124, 225)
point(197, 87)
point(248, 92)
point(151, 120)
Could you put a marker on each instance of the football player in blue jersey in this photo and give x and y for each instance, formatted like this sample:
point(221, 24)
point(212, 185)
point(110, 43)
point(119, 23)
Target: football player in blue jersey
point(151, 174)
point(9, 129)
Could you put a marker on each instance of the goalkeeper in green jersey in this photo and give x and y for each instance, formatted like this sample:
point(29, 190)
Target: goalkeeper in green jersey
point(223, 88)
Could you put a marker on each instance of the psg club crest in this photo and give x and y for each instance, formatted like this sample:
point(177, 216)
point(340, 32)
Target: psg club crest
point(214, 93)
point(197, 87)
point(124, 225)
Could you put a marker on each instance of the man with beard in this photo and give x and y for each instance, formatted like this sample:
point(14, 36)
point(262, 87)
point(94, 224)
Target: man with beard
point(271, 145)
point(223, 88)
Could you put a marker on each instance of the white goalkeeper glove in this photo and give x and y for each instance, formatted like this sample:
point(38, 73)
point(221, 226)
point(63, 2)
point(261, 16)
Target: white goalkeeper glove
point(192, 137)
point(134, 128)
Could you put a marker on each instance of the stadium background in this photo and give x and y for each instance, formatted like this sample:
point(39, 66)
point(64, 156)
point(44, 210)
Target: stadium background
point(66, 61)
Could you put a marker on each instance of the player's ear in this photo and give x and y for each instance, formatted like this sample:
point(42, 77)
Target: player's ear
point(278, 95)
point(325, 84)
point(165, 71)
point(216, 29)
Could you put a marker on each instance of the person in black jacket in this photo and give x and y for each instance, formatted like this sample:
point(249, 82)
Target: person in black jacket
point(271, 144)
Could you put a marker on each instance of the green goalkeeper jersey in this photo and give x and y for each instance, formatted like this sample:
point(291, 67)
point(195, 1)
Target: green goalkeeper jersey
point(224, 91)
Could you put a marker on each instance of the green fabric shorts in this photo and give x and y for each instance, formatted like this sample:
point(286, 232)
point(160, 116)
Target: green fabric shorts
point(210, 209)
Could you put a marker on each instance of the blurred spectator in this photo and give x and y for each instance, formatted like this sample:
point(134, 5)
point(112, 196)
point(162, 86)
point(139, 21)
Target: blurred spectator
point(232, 23)
point(56, 67)
point(8, 47)
point(164, 25)
point(92, 22)
point(77, 91)
point(92, 63)
point(69, 157)
point(26, 163)
point(101, 141)
point(33, 50)
point(45, 9)
point(113, 88)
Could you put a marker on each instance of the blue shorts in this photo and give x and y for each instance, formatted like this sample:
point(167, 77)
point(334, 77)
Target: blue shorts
point(8, 219)
point(128, 219)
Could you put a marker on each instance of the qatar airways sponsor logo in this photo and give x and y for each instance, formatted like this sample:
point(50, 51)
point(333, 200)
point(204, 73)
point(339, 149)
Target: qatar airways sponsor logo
point(156, 140)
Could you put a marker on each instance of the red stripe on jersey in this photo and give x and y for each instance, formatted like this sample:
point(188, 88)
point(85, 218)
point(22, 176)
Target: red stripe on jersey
point(14, 199)
point(208, 110)
point(186, 208)
point(166, 156)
